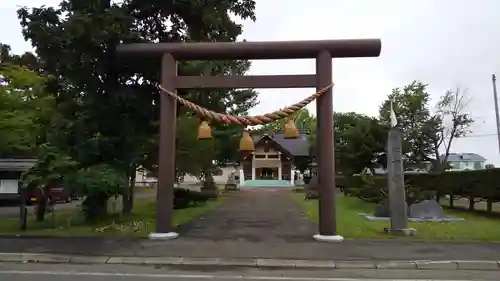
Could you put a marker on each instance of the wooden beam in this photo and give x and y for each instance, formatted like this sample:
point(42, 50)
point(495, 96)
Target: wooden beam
point(256, 81)
point(257, 50)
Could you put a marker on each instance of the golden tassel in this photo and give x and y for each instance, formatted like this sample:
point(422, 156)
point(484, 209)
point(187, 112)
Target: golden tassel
point(246, 142)
point(291, 131)
point(204, 131)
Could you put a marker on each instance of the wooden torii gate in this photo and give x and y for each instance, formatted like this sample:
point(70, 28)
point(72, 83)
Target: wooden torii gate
point(323, 51)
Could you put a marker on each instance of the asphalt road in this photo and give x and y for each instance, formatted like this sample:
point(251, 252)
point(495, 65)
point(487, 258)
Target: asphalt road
point(67, 272)
point(12, 211)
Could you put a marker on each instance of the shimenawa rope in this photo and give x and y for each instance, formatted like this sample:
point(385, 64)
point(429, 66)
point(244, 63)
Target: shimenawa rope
point(246, 120)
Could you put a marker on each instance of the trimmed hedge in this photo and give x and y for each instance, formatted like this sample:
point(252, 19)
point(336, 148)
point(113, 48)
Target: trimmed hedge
point(475, 185)
point(183, 198)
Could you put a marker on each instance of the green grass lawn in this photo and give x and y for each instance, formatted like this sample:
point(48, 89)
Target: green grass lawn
point(71, 222)
point(145, 190)
point(351, 225)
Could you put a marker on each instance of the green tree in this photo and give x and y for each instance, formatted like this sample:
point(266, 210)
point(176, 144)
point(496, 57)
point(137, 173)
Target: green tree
point(25, 110)
point(194, 157)
point(28, 59)
point(99, 183)
point(454, 122)
point(428, 134)
point(51, 168)
point(303, 120)
point(411, 106)
point(109, 106)
point(358, 141)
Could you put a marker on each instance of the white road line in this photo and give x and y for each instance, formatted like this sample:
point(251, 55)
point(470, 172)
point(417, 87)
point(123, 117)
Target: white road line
point(200, 276)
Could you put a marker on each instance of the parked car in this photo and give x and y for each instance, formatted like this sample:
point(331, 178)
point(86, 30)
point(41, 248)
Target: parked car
point(57, 194)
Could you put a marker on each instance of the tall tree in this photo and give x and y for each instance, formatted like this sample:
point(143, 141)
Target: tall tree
point(26, 110)
point(410, 104)
point(303, 120)
point(428, 134)
point(28, 59)
point(358, 141)
point(110, 106)
point(193, 156)
point(454, 122)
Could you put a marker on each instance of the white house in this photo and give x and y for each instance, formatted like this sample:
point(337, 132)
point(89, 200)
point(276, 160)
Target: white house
point(465, 161)
point(144, 179)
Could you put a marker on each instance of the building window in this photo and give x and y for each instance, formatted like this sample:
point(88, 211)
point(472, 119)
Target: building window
point(260, 156)
point(273, 156)
point(478, 166)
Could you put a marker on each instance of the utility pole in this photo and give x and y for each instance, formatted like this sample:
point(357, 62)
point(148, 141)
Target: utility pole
point(495, 96)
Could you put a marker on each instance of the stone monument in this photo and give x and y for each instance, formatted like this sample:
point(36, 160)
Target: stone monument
point(311, 187)
point(397, 195)
point(300, 180)
point(209, 187)
point(426, 209)
point(231, 183)
point(114, 205)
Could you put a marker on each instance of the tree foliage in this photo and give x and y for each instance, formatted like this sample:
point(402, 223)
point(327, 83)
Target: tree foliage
point(109, 105)
point(303, 119)
point(428, 132)
point(51, 169)
point(410, 105)
point(98, 183)
point(455, 122)
point(358, 141)
point(26, 109)
point(194, 157)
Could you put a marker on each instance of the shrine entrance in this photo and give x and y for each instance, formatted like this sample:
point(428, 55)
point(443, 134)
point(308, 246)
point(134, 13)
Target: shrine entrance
point(322, 51)
point(268, 173)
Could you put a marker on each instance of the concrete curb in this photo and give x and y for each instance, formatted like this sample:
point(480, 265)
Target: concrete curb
point(258, 263)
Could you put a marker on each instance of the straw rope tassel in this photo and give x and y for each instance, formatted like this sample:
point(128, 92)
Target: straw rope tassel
point(246, 120)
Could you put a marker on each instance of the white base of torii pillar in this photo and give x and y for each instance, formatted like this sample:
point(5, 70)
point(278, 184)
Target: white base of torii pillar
point(328, 238)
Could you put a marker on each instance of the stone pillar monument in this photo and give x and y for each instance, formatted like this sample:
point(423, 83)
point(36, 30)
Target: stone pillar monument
point(397, 196)
point(396, 182)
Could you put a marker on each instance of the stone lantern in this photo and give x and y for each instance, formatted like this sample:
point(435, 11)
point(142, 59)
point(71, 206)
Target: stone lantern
point(312, 185)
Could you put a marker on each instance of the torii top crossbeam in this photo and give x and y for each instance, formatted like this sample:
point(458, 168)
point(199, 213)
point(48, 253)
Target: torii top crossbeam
point(345, 48)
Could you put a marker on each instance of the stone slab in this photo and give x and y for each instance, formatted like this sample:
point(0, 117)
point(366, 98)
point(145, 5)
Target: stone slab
point(126, 260)
point(238, 262)
point(443, 219)
point(437, 265)
point(479, 265)
point(88, 259)
point(163, 260)
point(314, 264)
point(355, 265)
point(249, 262)
point(396, 265)
point(45, 258)
point(275, 263)
point(200, 261)
point(10, 257)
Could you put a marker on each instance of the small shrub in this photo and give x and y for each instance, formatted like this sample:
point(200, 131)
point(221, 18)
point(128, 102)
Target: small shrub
point(183, 198)
point(98, 183)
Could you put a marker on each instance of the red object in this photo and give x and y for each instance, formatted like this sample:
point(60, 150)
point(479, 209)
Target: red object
point(57, 194)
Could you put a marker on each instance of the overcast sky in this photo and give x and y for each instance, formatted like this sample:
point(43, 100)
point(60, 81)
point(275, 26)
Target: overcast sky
point(445, 43)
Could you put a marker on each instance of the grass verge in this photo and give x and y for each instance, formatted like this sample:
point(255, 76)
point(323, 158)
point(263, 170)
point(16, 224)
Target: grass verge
point(351, 225)
point(71, 223)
